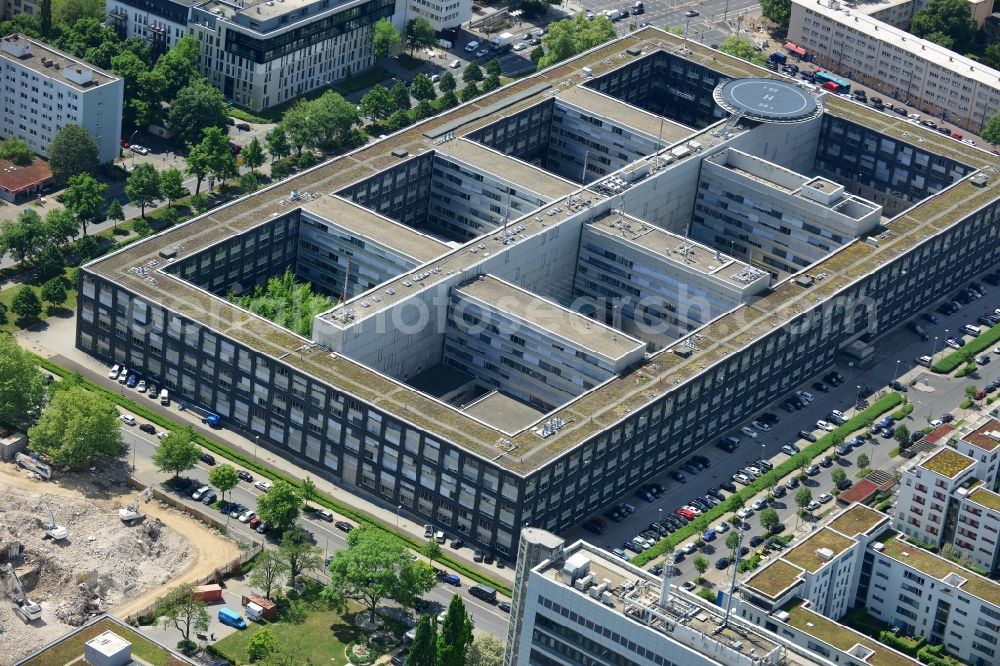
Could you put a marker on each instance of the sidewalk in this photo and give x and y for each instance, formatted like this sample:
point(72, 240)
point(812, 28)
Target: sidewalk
point(55, 342)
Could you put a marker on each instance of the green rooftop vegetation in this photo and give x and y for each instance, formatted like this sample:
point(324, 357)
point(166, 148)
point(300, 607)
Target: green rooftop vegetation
point(856, 520)
point(947, 463)
point(805, 555)
point(71, 648)
point(774, 578)
point(938, 567)
point(842, 637)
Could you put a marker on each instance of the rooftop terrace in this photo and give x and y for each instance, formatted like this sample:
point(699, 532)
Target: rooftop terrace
point(986, 497)
point(938, 567)
point(598, 409)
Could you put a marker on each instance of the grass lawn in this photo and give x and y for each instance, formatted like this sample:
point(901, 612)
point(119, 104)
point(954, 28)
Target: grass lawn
point(322, 637)
point(72, 648)
point(14, 324)
point(362, 80)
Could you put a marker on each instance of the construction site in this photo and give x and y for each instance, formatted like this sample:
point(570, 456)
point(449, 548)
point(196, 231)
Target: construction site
point(87, 545)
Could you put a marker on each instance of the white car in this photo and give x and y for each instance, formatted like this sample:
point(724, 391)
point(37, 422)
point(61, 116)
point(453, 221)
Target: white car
point(163, 434)
point(247, 516)
point(198, 494)
point(689, 548)
point(153, 392)
point(127, 419)
point(263, 485)
point(693, 509)
point(142, 150)
point(745, 513)
point(455, 64)
point(805, 395)
point(520, 46)
point(824, 425)
point(741, 478)
point(113, 374)
point(758, 505)
point(839, 414)
point(824, 498)
point(123, 375)
point(141, 388)
point(721, 528)
point(997, 350)
point(760, 425)
point(936, 423)
point(753, 472)
point(969, 142)
point(812, 506)
point(749, 432)
point(471, 46)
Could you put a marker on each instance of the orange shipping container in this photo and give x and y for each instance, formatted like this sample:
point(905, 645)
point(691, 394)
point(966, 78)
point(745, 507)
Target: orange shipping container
point(207, 593)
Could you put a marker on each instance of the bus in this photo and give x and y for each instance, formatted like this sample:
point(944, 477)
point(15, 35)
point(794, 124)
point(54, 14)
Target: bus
point(826, 77)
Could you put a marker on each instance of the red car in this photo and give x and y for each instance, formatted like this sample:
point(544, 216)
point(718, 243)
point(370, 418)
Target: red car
point(123, 143)
point(254, 522)
point(685, 513)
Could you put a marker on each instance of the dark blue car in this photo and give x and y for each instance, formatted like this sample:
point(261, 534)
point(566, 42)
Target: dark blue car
point(132, 381)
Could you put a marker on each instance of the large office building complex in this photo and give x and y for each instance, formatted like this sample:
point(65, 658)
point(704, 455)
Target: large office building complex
point(44, 90)
point(401, 394)
point(936, 80)
point(441, 14)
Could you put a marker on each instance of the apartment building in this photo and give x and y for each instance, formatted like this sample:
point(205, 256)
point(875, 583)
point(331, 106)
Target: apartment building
point(44, 90)
point(926, 495)
point(920, 73)
point(160, 22)
point(982, 444)
point(738, 211)
point(266, 52)
point(12, 8)
point(441, 14)
point(977, 534)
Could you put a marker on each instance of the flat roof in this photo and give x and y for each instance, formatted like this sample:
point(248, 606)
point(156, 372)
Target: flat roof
point(14, 178)
point(985, 497)
point(506, 168)
point(844, 638)
point(366, 224)
point(504, 412)
point(774, 579)
point(857, 520)
point(947, 463)
point(940, 568)
point(614, 400)
point(56, 63)
point(679, 250)
point(624, 114)
point(70, 647)
point(573, 327)
point(805, 556)
point(981, 440)
point(768, 101)
point(109, 643)
point(921, 49)
point(938, 433)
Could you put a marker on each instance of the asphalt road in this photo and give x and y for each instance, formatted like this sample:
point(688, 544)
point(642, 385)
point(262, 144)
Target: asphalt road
point(895, 353)
point(486, 617)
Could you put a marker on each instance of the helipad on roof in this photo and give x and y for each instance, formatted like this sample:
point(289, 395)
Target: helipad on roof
point(768, 100)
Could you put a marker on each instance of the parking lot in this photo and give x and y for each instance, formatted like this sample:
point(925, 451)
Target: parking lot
point(897, 354)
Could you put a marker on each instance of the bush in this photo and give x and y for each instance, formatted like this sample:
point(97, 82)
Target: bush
point(965, 404)
point(186, 647)
point(861, 420)
point(281, 169)
point(947, 364)
point(903, 411)
point(307, 159)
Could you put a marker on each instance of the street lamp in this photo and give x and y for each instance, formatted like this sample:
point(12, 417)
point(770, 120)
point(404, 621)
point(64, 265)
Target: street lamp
point(858, 399)
point(934, 348)
point(896, 374)
point(256, 441)
point(130, 147)
point(398, 507)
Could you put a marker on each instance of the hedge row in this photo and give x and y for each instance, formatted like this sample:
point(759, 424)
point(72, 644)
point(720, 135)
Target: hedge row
point(250, 464)
point(981, 343)
point(861, 420)
point(903, 411)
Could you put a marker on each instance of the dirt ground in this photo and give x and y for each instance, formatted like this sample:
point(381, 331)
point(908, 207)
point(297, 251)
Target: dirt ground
point(104, 566)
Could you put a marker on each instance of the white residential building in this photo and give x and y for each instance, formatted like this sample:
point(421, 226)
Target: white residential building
point(44, 90)
point(977, 533)
point(160, 22)
point(442, 14)
point(982, 444)
point(926, 491)
point(920, 73)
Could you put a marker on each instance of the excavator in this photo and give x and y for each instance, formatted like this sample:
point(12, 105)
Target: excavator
point(23, 606)
point(130, 514)
point(53, 531)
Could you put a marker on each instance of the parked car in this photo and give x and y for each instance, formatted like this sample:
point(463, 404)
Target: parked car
point(245, 476)
point(806, 435)
point(148, 428)
point(824, 498)
point(127, 419)
point(749, 432)
point(207, 458)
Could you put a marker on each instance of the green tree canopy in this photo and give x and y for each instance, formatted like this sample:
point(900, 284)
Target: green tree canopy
point(742, 47)
point(50, 262)
point(486, 650)
point(494, 68)
point(71, 152)
point(286, 302)
point(838, 475)
point(17, 152)
point(172, 184)
point(377, 103)
point(54, 291)
point(575, 35)
point(277, 143)
point(334, 117)
point(375, 566)
point(701, 565)
point(802, 497)
point(733, 541)
point(423, 88)
point(261, 646)
point(298, 553)
point(777, 11)
point(179, 67)
point(77, 427)
point(901, 434)
point(423, 652)
point(472, 73)
point(455, 636)
point(198, 106)
point(268, 569)
point(280, 506)
point(183, 612)
point(223, 477)
point(946, 22)
point(68, 12)
point(400, 96)
point(26, 304)
point(84, 199)
point(143, 186)
point(863, 461)
point(447, 83)
point(769, 518)
point(420, 34)
point(23, 238)
point(385, 38)
point(470, 92)
point(253, 155)
point(22, 386)
point(177, 452)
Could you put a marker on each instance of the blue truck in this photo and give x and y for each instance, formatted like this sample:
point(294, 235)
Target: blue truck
point(232, 618)
point(211, 418)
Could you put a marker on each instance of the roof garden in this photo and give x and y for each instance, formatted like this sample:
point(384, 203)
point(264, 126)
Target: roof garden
point(938, 567)
point(986, 498)
point(774, 579)
point(842, 637)
point(857, 520)
point(947, 463)
point(69, 649)
point(806, 554)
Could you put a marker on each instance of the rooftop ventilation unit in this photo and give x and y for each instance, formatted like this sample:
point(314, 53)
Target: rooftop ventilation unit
point(824, 554)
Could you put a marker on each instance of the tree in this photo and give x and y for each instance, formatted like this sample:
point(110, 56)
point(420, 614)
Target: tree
point(491, 83)
point(536, 54)
point(472, 73)
point(249, 182)
point(423, 88)
point(298, 553)
point(71, 152)
point(45, 17)
point(221, 163)
point(197, 107)
point(432, 550)
point(3, 314)
point(470, 92)
point(447, 83)
point(76, 427)
point(198, 164)
point(385, 38)
point(277, 143)
point(60, 226)
point(253, 155)
point(22, 386)
point(946, 22)
point(377, 103)
point(141, 227)
point(223, 477)
point(333, 118)
point(299, 125)
point(970, 391)
point(84, 198)
point(991, 132)
point(493, 68)
point(24, 238)
point(486, 650)
point(455, 636)
point(178, 67)
point(183, 612)
point(307, 489)
point(87, 247)
point(287, 302)
point(280, 506)
point(742, 47)
point(261, 646)
point(733, 541)
point(838, 475)
point(26, 304)
point(17, 152)
point(803, 496)
point(143, 186)
point(575, 35)
point(400, 96)
point(769, 518)
point(69, 12)
point(901, 434)
point(374, 566)
point(864, 461)
point(177, 452)
point(54, 291)
point(777, 11)
point(420, 34)
point(268, 568)
point(115, 212)
point(172, 185)
point(423, 651)
point(700, 565)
